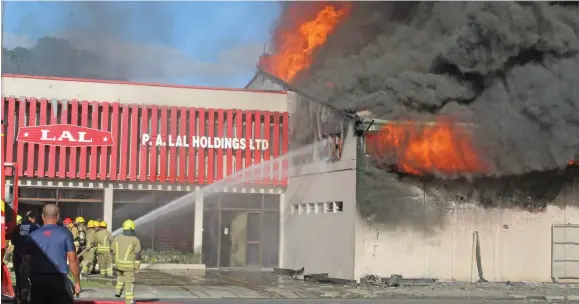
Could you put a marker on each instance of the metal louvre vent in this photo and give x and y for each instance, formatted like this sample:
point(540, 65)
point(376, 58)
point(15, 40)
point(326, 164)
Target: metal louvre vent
point(317, 208)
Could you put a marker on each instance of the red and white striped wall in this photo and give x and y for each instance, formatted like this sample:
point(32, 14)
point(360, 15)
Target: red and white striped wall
point(132, 159)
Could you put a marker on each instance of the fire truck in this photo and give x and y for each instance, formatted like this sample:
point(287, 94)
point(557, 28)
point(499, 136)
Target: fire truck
point(9, 213)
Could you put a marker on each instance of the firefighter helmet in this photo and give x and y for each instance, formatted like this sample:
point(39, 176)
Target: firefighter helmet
point(19, 219)
point(129, 225)
point(103, 224)
point(67, 221)
point(79, 219)
point(89, 224)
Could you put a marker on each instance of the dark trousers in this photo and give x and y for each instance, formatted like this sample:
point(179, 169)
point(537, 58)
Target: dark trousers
point(16, 263)
point(51, 289)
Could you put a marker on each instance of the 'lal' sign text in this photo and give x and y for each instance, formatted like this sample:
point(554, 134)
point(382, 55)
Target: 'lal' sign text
point(206, 142)
point(65, 135)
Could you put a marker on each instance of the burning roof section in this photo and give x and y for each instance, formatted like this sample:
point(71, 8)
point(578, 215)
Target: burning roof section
point(298, 35)
point(443, 62)
point(442, 147)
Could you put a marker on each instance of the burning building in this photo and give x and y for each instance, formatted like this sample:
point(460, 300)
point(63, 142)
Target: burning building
point(459, 163)
point(421, 139)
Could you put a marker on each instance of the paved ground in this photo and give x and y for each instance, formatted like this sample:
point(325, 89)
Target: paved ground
point(318, 301)
point(219, 284)
point(338, 301)
point(185, 285)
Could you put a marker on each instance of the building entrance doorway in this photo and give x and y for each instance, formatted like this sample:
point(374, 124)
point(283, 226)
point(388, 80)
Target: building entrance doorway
point(240, 238)
point(241, 230)
point(88, 210)
point(72, 202)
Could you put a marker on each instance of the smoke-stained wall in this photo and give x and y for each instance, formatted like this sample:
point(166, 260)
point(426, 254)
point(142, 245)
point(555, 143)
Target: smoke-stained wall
point(312, 122)
point(425, 226)
point(397, 200)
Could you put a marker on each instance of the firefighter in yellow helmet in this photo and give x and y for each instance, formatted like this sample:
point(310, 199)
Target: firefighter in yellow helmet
point(10, 247)
point(88, 253)
point(103, 239)
point(80, 226)
point(127, 256)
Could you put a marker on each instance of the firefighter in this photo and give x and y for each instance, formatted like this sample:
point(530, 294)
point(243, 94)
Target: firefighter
point(68, 223)
point(88, 255)
point(103, 239)
point(80, 225)
point(126, 250)
point(10, 245)
point(23, 230)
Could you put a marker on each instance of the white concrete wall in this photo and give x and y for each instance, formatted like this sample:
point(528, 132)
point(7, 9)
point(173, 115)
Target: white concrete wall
point(134, 93)
point(515, 244)
point(322, 242)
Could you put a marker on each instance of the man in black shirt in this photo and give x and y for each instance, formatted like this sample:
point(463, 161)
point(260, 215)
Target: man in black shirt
point(19, 239)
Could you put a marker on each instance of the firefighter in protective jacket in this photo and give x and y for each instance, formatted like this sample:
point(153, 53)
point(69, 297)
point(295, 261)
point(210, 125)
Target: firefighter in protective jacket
point(68, 223)
point(127, 256)
point(80, 225)
point(88, 253)
point(103, 249)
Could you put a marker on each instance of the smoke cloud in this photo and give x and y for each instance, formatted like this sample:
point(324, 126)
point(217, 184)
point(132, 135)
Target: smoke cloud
point(98, 41)
point(510, 68)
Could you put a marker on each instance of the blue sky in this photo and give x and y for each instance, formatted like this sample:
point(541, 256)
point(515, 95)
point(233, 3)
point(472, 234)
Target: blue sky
point(200, 43)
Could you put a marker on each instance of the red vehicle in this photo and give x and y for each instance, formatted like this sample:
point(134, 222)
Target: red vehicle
point(9, 213)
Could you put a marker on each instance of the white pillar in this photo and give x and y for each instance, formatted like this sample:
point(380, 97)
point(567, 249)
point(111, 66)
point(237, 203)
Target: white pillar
point(281, 229)
point(198, 223)
point(108, 206)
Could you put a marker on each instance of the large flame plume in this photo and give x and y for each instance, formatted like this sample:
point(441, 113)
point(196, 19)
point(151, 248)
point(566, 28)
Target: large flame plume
point(443, 147)
point(295, 45)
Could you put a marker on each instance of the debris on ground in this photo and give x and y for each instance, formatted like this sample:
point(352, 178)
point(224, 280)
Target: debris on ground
point(296, 274)
point(395, 280)
point(299, 274)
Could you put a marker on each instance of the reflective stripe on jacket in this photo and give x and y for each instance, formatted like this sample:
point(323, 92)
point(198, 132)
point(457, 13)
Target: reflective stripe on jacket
point(125, 249)
point(103, 241)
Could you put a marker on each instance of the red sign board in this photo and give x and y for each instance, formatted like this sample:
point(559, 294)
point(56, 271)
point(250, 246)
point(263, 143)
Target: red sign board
point(65, 135)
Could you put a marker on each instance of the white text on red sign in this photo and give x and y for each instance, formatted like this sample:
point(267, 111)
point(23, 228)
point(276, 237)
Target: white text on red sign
point(206, 142)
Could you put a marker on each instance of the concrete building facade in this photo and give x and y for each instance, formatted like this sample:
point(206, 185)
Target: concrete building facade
point(512, 229)
point(327, 208)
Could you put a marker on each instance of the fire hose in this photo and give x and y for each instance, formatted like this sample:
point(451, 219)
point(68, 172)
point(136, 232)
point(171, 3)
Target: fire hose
point(479, 267)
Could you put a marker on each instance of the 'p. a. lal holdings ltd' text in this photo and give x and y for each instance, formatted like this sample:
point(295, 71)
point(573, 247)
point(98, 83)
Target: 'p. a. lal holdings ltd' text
point(206, 142)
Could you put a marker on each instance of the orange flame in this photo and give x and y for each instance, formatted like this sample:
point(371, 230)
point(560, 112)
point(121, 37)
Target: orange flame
point(295, 47)
point(442, 146)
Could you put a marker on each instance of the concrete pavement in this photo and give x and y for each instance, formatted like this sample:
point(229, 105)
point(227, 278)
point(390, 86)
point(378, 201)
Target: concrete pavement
point(335, 301)
point(218, 284)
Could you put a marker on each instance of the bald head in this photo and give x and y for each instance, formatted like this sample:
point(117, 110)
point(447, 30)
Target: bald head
point(50, 214)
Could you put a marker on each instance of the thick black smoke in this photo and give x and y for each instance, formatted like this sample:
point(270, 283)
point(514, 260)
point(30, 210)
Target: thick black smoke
point(510, 68)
